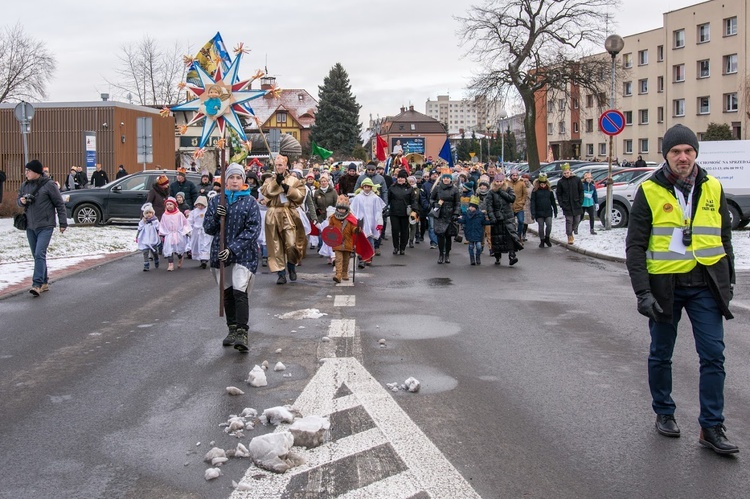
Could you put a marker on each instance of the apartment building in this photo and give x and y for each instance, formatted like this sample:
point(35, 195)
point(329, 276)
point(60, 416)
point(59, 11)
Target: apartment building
point(693, 71)
point(478, 114)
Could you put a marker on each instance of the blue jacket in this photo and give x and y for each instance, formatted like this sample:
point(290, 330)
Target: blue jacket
point(473, 225)
point(241, 231)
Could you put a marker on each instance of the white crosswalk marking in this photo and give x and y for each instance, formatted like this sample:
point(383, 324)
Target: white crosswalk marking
point(344, 301)
point(341, 328)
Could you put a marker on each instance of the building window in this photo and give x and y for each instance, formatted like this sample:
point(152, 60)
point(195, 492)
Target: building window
point(627, 88)
point(589, 149)
point(602, 148)
point(678, 107)
point(281, 117)
point(730, 64)
point(704, 68)
point(643, 86)
point(660, 143)
point(561, 127)
point(660, 53)
point(731, 104)
point(627, 146)
point(575, 103)
point(643, 116)
point(627, 60)
point(642, 57)
point(628, 117)
point(590, 100)
point(704, 33)
point(590, 124)
point(678, 39)
point(550, 107)
point(602, 99)
point(678, 73)
point(561, 104)
point(642, 145)
point(730, 26)
point(660, 114)
point(575, 127)
point(550, 129)
point(659, 84)
point(300, 97)
point(704, 105)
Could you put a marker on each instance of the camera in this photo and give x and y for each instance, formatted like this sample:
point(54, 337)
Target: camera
point(687, 237)
point(29, 198)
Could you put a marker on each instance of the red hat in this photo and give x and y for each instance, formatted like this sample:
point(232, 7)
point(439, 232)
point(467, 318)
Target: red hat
point(162, 180)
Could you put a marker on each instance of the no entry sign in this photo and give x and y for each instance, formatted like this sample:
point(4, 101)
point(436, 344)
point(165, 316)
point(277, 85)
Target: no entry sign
point(612, 122)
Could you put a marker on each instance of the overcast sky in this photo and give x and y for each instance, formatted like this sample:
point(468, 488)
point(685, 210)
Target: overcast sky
point(396, 52)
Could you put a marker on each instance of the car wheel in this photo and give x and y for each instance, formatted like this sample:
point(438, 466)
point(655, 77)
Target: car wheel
point(619, 216)
point(734, 216)
point(743, 223)
point(87, 214)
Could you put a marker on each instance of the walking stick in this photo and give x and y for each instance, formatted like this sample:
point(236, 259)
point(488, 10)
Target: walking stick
point(222, 230)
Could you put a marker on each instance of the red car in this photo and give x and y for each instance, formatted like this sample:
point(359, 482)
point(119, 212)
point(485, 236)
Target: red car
point(625, 176)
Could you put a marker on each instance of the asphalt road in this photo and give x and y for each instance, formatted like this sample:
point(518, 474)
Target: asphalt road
point(533, 377)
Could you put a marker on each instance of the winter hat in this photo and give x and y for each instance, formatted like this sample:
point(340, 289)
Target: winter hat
point(162, 180)
point(411, 179)
point(352, 166)
point(211, 194)
point(499, 177)
point(514, 171)
point(172, 200)
point(235, 169)
point(403, 174)
point(474, 201)
point(180, 194)
point(446, 175)
point(181, 171)
point(35, 166)
point(367, 181)
point(678, 134)
point(542, 177)
point(297, 172)
point(148, 207)
point(310, 175)
point(201, 200)
point(565, 166)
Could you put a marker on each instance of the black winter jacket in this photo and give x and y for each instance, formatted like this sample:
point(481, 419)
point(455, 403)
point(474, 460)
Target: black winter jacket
point(451, 205)
point(47, 202)
point(400, 197)
point(543, 203)
point(720, 276)
point(570, 195)
point(499, 204)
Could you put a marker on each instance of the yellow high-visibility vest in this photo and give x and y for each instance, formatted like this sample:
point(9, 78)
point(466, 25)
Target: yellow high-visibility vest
point(666, 213)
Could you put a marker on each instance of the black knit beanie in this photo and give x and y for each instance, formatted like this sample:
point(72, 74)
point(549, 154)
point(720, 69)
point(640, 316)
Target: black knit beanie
point(35, 166)
point(678, 134)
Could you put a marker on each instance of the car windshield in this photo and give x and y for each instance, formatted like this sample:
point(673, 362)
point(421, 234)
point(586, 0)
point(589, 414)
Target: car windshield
point(136, 183)
point(628, 176)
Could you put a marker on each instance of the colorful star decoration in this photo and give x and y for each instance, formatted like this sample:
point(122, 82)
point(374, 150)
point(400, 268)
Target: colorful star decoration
point(219, 101)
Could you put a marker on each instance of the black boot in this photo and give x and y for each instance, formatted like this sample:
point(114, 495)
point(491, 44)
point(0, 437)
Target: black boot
point(714, 438)
point(241, 342)
point(282, 277)
point(231, 336)
point(472, 258)
point(441, 258)
point(447, 257)
point(479, 259)
point(497, 258)
point(666, 425)
point(541, 243)
point(513, 260)
point(547, 242)
point(292, 271)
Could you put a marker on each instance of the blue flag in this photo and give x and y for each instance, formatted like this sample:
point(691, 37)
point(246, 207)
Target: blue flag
point(446, 153)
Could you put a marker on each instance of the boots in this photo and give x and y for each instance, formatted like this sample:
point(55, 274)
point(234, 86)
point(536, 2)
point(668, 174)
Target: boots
point(570, 239)
point(292, 271)
point(472, 258)
point(231, 337)
point(447, 257)
point(513, 259)
point(145, 266)
point(593, 232)
point(204, 264)
point(541, 243)
point(241, 342)
point(156, 262)
point(479, 259)
point(441, 258)
point(547, 242)
point(714, 438)
point(339, 266)
point(282, 277)
point(264, 262)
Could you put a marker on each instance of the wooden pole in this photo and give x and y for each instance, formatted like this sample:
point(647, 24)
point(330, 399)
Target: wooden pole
point(222, 226)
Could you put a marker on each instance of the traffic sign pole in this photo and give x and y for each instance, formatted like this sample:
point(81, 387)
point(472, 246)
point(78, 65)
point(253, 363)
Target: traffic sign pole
point(24, 112)
point(611, 122)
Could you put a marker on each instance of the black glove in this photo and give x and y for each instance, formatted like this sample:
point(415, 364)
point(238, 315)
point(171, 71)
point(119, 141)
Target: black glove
point(225, 254)
point(279, 178)
point(285, 188)
point(647, 305)
point(454, 218)
point(221, 211)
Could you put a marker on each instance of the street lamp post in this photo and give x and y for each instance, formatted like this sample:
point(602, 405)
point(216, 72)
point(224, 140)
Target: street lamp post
point(614, 45)
point(503, 114)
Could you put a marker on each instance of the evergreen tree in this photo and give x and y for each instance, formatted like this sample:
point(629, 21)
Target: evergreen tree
point(717, 131)
point(337, 126)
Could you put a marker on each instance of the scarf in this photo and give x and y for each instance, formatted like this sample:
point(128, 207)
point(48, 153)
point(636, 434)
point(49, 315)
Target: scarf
point(325, 189)
point(234, 196)
point(684, 185)
point(339, 215)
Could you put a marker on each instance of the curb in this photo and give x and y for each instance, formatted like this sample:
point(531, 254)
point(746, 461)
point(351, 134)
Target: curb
point(573, 247)
point(23, 287)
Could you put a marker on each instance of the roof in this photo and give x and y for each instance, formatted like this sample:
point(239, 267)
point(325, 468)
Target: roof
point(89, 104)
point(410, 121)
point(296, 101)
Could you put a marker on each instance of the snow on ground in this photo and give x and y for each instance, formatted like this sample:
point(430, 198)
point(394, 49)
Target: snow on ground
point(76, 245)
point(79, 244)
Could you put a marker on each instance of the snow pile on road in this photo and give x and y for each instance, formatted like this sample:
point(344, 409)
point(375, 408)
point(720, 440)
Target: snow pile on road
point(308, 313)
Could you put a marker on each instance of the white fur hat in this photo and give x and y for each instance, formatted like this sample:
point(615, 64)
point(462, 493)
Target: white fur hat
point(148, 207)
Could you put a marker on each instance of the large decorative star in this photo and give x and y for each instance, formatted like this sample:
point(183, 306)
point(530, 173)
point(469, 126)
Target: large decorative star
point(235, 95)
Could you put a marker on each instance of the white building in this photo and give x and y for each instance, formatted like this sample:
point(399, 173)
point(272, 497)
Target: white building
point(479, 114)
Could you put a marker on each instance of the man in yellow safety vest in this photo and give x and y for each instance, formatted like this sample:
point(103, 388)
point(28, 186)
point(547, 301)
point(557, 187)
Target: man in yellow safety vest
point(679, 256)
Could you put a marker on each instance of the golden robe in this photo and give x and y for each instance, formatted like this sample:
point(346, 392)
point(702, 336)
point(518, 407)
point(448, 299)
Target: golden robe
point(285, 234)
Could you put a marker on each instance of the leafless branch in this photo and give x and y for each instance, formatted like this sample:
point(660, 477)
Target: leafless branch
point(25, 66)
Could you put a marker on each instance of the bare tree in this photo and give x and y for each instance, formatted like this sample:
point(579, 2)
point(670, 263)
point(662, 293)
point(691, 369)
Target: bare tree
point(150, 74)
point(25, 66)
point(533, 45)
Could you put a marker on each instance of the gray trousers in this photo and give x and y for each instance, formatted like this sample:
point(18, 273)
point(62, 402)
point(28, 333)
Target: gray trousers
point(571, 222)
point(545, 227)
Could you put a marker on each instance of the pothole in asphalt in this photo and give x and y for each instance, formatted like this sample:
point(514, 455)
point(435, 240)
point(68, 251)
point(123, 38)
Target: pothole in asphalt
point(439, 282)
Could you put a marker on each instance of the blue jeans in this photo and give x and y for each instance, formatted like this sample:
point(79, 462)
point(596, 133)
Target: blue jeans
point(708, 332)
point(38, 241)
point(431, 230)
point(519, 218)
point(475, 248)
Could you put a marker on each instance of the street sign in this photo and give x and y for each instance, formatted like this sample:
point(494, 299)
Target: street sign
point(612, 122)
point(24, 112)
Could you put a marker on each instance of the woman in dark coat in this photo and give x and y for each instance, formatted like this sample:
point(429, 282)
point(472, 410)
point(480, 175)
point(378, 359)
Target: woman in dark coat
point(499, 203)
point(401, 197)
point(325, 196)
point(542, 208)
point(445, 195)
point(158, 195)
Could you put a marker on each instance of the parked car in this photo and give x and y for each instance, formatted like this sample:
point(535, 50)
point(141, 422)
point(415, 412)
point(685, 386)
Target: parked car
point(118, 201)
point(597, 170)
point(553, 169)
point(625, 175)
point(623, 195)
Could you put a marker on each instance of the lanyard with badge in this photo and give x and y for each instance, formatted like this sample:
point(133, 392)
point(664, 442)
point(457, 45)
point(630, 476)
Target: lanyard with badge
point(682, 237)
